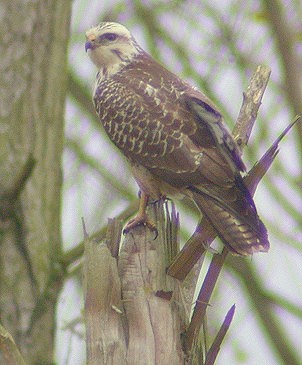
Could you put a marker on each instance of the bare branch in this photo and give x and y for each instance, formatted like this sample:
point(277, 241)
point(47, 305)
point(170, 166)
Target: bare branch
point(214, 349)
point(203, 299)
point(250, 105)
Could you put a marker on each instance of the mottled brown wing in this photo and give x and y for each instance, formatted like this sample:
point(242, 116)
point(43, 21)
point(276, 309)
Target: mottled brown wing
point(146, 111)
point(210, 123)
point(230, 207)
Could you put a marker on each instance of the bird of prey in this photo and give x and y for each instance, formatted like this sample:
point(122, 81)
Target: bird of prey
point(174, 138)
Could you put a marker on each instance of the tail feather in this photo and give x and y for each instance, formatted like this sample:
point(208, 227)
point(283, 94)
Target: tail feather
point(234, 217)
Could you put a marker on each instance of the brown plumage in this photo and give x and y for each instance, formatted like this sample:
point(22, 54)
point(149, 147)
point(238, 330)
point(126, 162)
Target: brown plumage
point(173, 136)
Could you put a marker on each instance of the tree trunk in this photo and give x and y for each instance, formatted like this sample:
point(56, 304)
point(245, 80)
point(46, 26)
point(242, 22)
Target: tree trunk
point(34, 38)
point(135, 313)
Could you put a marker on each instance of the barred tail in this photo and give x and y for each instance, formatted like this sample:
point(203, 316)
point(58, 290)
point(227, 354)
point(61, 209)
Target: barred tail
point(235, 220)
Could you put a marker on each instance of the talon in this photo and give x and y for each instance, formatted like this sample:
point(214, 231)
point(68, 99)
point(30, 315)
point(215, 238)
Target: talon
point(140, 220)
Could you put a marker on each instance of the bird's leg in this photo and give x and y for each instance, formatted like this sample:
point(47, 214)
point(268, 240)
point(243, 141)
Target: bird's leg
point(141, 218)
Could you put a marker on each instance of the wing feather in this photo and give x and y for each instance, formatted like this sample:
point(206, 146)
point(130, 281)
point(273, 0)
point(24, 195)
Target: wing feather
point(179, 132)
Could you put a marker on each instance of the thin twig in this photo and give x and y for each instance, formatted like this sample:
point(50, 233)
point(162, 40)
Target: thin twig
point(203, 299)
point(214, 349)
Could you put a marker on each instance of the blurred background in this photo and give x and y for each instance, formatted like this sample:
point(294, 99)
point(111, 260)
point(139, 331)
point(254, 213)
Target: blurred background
point(216, 46)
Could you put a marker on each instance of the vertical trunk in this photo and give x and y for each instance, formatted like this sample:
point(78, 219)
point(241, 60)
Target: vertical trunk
point(135, 313)
point(34, 39)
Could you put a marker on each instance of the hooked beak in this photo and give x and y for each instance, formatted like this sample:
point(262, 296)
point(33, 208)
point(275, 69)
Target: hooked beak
point(90, 42)
point(88, 45)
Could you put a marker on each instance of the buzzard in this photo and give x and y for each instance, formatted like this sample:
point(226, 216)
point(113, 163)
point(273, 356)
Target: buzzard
point(174, 138)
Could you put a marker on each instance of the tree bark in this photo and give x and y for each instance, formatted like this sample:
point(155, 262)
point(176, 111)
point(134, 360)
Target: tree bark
point(34, 38)
point(134, 311)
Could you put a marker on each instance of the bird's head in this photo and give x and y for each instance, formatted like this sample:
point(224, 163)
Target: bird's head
point(110, 45)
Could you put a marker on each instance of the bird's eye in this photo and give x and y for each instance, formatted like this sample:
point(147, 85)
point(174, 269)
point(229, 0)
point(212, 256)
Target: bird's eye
point(109, 36)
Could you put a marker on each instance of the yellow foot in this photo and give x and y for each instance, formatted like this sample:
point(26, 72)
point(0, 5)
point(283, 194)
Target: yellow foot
point(140, 220)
